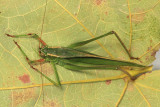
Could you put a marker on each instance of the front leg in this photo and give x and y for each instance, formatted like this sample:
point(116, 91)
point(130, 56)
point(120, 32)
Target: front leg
point(30, 62)
point(35, 62)
point(30, 35)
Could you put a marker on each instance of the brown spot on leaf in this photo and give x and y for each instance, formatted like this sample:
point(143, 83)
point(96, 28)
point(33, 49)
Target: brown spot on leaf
point(83, 30)
point(125, 79)
point(108, 82)
point(51, 103)
point(75, 14)
point(141, 61)
point(147, 58)
point(137, 18)
point(149, 48)
point(154, 53)
point(130, 87)
point(22, 97)
point(25, 78)
point(47, 69)
point(98, 2)
point(106, 13)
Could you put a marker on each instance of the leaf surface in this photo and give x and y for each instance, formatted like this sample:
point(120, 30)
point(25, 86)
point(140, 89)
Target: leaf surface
point(69, 21)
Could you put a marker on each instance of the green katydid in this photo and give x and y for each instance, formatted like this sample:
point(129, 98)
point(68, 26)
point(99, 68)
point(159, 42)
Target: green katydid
point(74, 59)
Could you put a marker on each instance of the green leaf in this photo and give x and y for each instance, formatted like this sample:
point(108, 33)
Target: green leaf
point(70, 21)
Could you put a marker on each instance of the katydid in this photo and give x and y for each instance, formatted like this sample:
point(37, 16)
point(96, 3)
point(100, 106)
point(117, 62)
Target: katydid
point(74, 59)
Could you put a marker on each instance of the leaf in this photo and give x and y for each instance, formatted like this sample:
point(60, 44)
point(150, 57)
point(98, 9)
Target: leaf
point(69, 21)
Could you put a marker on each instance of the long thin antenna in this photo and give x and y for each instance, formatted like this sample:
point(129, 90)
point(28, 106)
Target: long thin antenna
point(43, 19)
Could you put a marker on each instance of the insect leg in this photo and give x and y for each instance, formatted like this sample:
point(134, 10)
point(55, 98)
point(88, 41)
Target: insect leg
point(37, 61)
point(75, 45)
point(56, 73)
point(125, 72)
point(123, 45)
point(30, 62)
point(30, 35)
